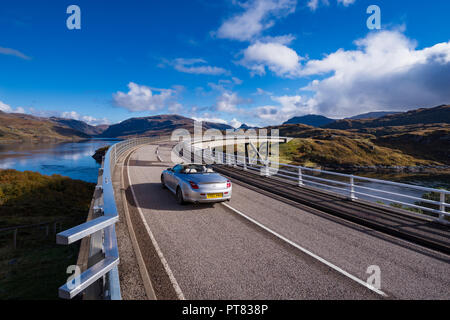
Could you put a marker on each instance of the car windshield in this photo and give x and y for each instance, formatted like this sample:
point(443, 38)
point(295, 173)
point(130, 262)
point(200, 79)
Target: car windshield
point(196, 168)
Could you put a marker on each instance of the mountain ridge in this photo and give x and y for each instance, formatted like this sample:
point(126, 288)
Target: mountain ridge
point(314, 120)
point(439, 114)
point(156, 125)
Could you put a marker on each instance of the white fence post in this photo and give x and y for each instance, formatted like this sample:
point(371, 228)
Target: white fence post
point(442, 206)
point(300, 177)
point(352, 188)
point(266, 169)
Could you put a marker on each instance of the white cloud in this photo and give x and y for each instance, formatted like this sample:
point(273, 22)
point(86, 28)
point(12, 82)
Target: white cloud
point(141, 98)
point(260, 92)
point(197, 66)
point(4, 107)
point(88, 119)
point(258, 16)
point(228, 102)
point(285, 39)
point(268, 113)
point(7, 108)
point(278, 58)
point(20, 110)
point(208, 118)
point(235, 123)
point(225, 84)
point(175, 107)
point(386, 72)
point(346, 3)
point(287, 107)
point(237, 80)
point(314, 4)
point(14, 52)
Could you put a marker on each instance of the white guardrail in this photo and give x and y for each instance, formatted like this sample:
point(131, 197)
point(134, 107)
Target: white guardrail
point(380, 192)
point(102, 231)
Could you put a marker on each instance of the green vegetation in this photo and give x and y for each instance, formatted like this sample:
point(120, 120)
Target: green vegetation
point(412, 209)
point(38, 267)
point(30, 197)
point(342, 152)
point(435, 196)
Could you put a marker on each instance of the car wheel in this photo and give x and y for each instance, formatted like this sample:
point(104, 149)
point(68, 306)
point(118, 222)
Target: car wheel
point(163, 183)
point(180, 199)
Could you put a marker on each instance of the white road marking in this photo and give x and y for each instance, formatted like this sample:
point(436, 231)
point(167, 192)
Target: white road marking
point(329, 264)
point(157, 154)
point(169, 272)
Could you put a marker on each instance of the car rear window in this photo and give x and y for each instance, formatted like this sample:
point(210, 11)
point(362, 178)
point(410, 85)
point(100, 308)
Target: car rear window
point(196, 168)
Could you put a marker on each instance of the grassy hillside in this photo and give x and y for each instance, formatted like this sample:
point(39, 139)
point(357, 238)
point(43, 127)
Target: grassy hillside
point(404, 146)
point(37, 267)
point(374, 143)
point(21, 127)
point(431, 142)
point(344, 153)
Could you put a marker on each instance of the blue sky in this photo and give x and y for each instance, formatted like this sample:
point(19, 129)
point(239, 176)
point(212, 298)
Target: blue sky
point(258, 61)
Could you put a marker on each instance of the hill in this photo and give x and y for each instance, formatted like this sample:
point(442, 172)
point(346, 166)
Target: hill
point(418, 147)
point(156, 125)
point(310, 120)
point(440, 114)
point(23, 127)
point(372, 115)
point(80, 126)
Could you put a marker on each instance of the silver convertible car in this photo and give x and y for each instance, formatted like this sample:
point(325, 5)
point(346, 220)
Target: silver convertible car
point(196, 183)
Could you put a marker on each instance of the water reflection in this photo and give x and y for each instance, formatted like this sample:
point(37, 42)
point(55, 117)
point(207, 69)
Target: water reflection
point(72, 159)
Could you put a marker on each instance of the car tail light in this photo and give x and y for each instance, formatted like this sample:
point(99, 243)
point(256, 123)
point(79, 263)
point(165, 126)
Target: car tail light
point(228, 184)
point(193, 185)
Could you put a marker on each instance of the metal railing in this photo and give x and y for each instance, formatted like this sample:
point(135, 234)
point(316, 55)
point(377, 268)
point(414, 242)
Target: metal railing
point(380, 192)
point(101, 230)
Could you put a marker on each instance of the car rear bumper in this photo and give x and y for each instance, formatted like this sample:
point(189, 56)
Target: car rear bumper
point(201, 196)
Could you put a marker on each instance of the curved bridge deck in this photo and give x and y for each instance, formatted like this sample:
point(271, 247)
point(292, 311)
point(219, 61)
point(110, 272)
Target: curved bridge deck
point(259, 246)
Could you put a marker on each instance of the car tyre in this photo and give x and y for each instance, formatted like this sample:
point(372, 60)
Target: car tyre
point(163, 183)
point(180, 198)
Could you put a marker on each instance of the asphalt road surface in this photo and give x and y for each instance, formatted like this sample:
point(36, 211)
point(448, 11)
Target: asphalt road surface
point(264, 247)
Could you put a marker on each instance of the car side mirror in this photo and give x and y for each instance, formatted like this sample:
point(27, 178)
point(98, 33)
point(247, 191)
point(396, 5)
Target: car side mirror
point(169, 169)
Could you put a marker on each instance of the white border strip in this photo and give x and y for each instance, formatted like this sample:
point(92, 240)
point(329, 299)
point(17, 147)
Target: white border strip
point(329, 264)
point(169, 272)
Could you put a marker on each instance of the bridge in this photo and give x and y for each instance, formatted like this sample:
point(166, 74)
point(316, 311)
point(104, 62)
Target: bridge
point(289, 232)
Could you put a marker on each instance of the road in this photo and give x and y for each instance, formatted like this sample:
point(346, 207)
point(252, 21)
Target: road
point(258, 246)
